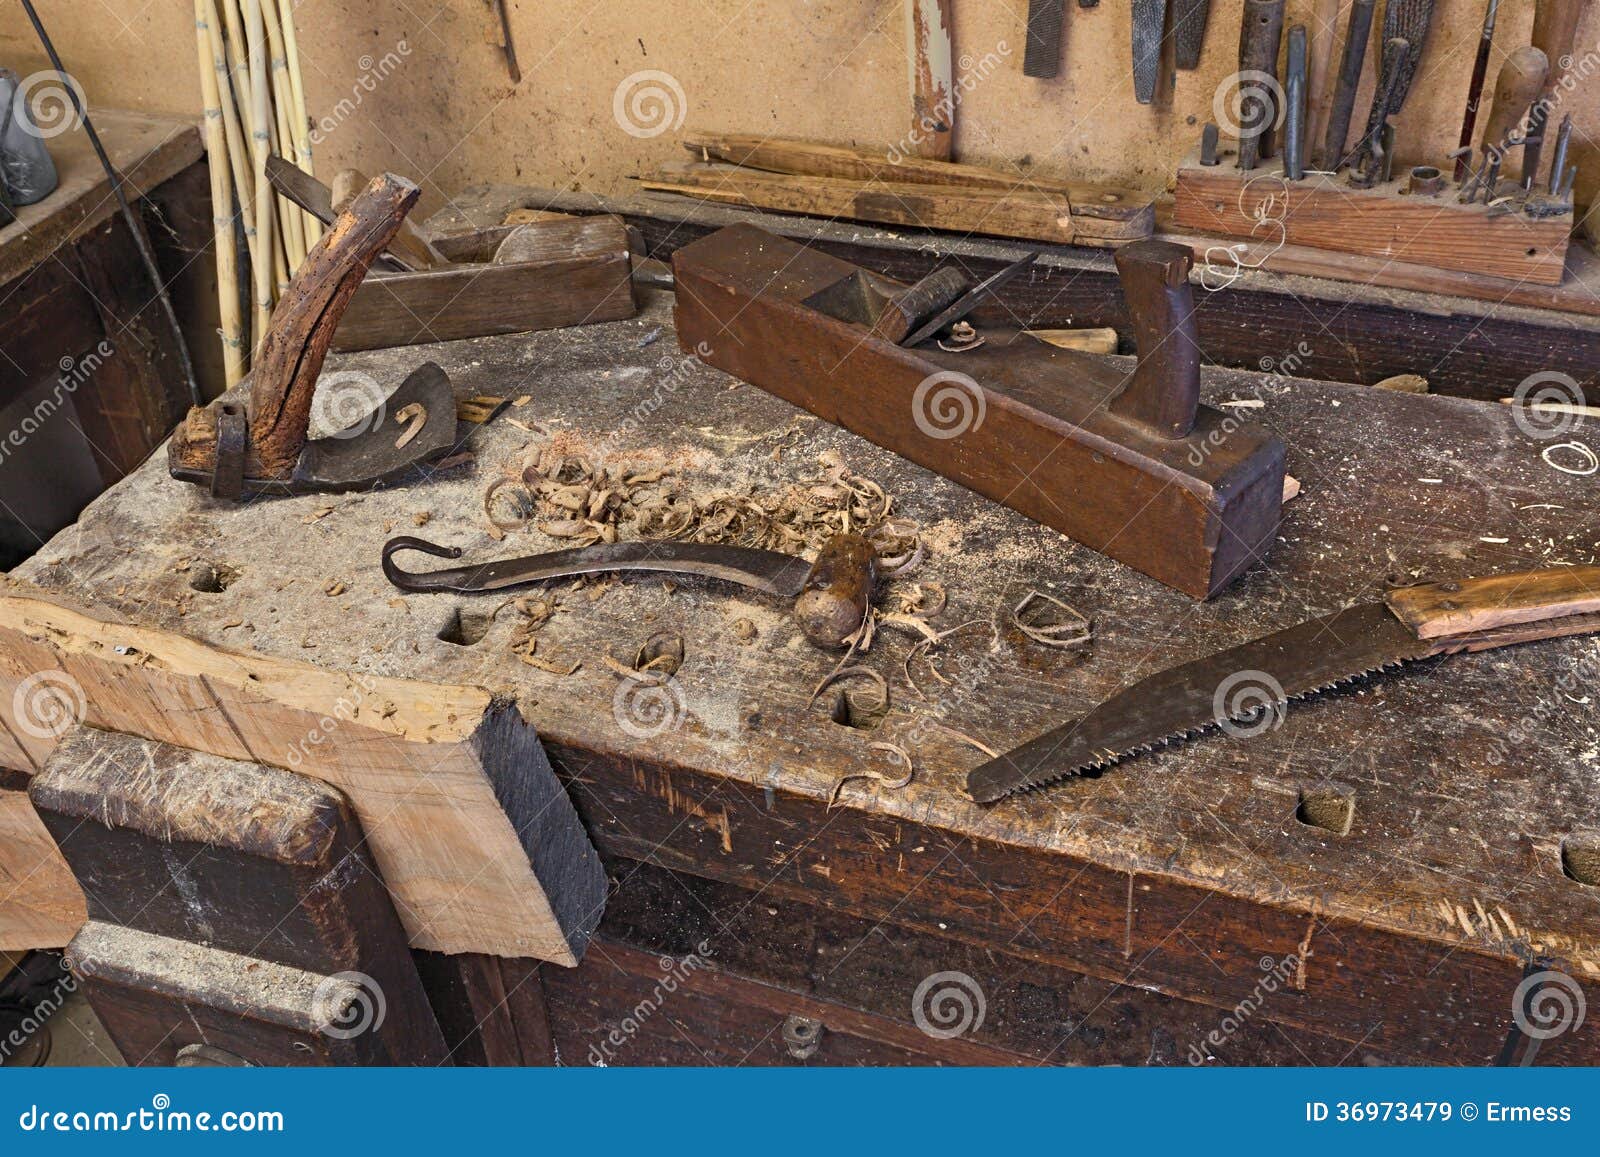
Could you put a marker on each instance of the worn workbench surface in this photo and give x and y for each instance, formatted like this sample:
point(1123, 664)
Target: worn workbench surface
point(1186, 872)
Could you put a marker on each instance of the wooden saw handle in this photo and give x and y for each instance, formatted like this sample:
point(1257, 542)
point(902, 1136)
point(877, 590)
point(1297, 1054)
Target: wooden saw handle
point(1451, 609)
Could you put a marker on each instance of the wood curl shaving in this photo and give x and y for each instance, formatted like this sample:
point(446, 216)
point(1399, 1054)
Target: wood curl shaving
point(413, 417)
point(1075, 630)
point(898, 755)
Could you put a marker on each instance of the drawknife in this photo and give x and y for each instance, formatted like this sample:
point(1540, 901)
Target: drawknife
point(1241, 684)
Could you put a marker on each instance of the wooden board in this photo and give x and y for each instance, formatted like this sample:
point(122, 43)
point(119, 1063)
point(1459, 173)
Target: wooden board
point(477, 843)
point(40, 904)
point(146, 150)
point(579, 276)
point(1326, 212)
point(1478, 342)
point(1021, 213)
point(1177, 873)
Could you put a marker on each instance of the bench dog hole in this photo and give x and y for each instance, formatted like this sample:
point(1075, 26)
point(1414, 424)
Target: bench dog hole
point(211, 578)
point(465, 628)
point(859, 709)
point(1333, 809)
point(1580, 859)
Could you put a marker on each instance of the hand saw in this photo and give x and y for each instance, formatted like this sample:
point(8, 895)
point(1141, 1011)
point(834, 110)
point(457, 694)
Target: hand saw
point(1239, 686)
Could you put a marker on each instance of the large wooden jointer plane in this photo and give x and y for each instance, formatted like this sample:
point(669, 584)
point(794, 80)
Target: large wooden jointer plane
point(1128, 463)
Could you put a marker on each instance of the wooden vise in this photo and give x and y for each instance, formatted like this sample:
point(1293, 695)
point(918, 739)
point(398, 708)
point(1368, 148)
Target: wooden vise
point(1129, 464)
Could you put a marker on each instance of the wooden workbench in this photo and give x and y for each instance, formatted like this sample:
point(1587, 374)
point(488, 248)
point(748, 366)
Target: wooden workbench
point(1120, 919)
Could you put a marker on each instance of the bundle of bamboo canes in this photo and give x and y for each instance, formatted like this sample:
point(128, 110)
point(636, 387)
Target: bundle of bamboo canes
point(254, 107)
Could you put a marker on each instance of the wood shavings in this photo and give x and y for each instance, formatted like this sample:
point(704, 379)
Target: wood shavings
point(335, 588)
point(1073, 631)
point(317, 515)
point(421, 518)
point(520, 498)
point(1404, 384)
point(745, 631)
point(480, 409)
point(925, 649)
point(413, 417)
point(843, 673)
point(898, 755)
point(1590, 462)
point(898, 542)
point(924, 600)
point(963, 737)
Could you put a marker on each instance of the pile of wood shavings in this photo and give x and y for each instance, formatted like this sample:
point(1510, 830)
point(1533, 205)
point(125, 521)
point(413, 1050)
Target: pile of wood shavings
point(569, 496)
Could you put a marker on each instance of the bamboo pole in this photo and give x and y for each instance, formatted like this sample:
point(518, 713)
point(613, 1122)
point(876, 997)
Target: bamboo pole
point(291, 220)
point(233, 354)
point(261, 142)
point(237, 150)
point(299, 123)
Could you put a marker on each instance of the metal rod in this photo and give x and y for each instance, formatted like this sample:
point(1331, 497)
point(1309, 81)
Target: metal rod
point(135, 226)
point(1480, 70)
point(1294, 128)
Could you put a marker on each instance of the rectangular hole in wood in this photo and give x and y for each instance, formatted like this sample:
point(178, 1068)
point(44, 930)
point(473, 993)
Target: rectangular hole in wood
point(1333, 809)
point(1580, 859)
point(465, 628)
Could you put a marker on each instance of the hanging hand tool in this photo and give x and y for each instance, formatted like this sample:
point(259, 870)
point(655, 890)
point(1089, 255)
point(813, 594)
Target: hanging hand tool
point(261, 447)
point(1555, 29)
point(1294, 96)
point(831, 595)
point(1480, 70)
point(1245, 684)
point(408, 251)
point(1359, 27)
point(1260, 37)
point(1042, 56)
point(1149, 25)
point(507, 44)
point(1324, 32)
point(1407, 20)
point(1189, 19)
point(1368, 164)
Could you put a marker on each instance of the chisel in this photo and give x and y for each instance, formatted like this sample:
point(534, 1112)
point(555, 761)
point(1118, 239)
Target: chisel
point(1294, 95)
point(1042, 56)
point(1149, 22)
point(1480, 70)
point(1366, 169)
point(1189, 31)
point(1260, 36)
point(1344, 90)
point(1555, 28)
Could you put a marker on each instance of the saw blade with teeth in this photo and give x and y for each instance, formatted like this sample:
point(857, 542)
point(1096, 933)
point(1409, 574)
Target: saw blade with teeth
point(1244, 689)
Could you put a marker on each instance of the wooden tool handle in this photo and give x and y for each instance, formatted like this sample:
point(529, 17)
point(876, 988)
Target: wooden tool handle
point(1451, 609)
point(1260, 37)
point(286, 367)
point(838, 590)
point(1164, 391)
point(1555, 28)
point(1515, 89)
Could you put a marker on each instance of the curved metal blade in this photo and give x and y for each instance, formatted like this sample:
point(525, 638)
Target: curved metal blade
point(763, 570)
point(1240, 685)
